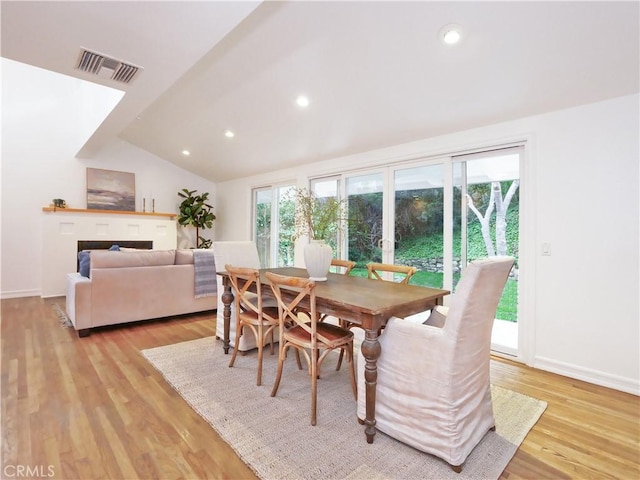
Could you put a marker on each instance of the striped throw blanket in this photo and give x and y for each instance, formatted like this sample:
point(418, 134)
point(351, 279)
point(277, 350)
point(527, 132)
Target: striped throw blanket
point(205, 273)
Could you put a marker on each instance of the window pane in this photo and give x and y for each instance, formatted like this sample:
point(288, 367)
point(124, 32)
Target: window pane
point(419, 221)
point(325, 189)
point(364, 233)
point(274, 239)
point(262, 225)
point(286, 226)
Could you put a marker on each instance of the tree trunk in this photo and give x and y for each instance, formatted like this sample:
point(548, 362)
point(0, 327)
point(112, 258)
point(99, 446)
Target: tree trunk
point(485, 222)
point(501, 221)
point(501, 206)
point(501, 214)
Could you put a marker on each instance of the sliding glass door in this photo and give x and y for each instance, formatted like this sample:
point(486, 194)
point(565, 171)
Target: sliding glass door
point(396, 216)
point(437, 215)
point(487, 223)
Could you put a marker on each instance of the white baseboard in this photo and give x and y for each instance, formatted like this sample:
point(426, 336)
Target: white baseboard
point(505, 352)
point(616, 382)
point(20, 294)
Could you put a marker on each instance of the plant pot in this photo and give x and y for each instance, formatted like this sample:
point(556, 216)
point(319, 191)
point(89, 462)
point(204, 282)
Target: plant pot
point(317, 259)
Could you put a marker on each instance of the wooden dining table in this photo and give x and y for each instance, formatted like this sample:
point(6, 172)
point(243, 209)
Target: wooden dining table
point(361, 301)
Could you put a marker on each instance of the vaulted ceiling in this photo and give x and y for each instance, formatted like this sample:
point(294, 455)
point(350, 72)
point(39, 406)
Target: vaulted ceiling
point(376, 73)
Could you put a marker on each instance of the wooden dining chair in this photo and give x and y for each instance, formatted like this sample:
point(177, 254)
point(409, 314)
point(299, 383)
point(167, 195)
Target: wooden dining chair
point(375, 269)
point(343, 266)
point(312, 339)
point(250, 312)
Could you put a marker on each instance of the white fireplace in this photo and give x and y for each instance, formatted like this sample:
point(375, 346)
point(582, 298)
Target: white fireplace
point(63, 228)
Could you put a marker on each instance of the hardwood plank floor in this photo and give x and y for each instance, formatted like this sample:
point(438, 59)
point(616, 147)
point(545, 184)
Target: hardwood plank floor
point(94, 408)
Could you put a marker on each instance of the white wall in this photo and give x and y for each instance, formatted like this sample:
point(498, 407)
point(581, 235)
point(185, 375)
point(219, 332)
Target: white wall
point(581, 186)
point(45, 120)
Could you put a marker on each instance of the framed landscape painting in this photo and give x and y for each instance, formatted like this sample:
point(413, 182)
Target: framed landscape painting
point(111, 190)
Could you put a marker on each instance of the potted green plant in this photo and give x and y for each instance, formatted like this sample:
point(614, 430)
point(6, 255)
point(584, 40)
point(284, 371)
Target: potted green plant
point(195, 211)
point(319, 219)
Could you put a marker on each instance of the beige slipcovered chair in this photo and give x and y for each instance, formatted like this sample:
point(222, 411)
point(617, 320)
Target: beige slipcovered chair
point(241, 253)
point(433, 390)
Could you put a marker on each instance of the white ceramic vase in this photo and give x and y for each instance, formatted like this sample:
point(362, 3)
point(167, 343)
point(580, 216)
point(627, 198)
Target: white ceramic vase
point(317, 259)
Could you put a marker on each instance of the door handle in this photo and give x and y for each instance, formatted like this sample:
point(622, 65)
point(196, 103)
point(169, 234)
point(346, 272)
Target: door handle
point(382, 241)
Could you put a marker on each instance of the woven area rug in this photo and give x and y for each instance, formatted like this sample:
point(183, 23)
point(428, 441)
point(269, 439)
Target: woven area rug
point(274, 435)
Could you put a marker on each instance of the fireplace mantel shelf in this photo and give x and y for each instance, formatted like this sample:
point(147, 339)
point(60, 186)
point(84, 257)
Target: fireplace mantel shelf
point(110, 212)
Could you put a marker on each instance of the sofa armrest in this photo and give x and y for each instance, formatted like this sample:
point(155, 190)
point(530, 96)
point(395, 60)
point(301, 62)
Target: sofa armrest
point(78, 301)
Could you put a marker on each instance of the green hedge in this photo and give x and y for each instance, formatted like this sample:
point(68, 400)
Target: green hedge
point(432, 246)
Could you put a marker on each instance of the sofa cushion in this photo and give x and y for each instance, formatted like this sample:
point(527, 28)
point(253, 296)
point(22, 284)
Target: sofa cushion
point(84, 259)
point(143, 258)
point(184, 257)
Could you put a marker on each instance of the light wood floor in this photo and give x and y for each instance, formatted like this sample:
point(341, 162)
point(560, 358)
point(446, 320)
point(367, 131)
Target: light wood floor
point(93, 408)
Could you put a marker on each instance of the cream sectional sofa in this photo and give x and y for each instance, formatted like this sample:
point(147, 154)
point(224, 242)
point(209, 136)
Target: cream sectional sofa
point(128, 286)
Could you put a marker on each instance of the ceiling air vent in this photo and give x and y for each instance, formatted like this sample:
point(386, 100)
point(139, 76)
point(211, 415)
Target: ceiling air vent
point(106, 67)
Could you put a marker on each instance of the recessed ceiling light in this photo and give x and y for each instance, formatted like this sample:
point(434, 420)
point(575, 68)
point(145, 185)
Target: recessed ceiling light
point(229, 134)
point(302, 101)
point(451, 34)
point(186, 153)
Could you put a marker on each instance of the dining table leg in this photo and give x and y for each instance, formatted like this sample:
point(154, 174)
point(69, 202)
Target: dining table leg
point(227, 299)
point(371, 351)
